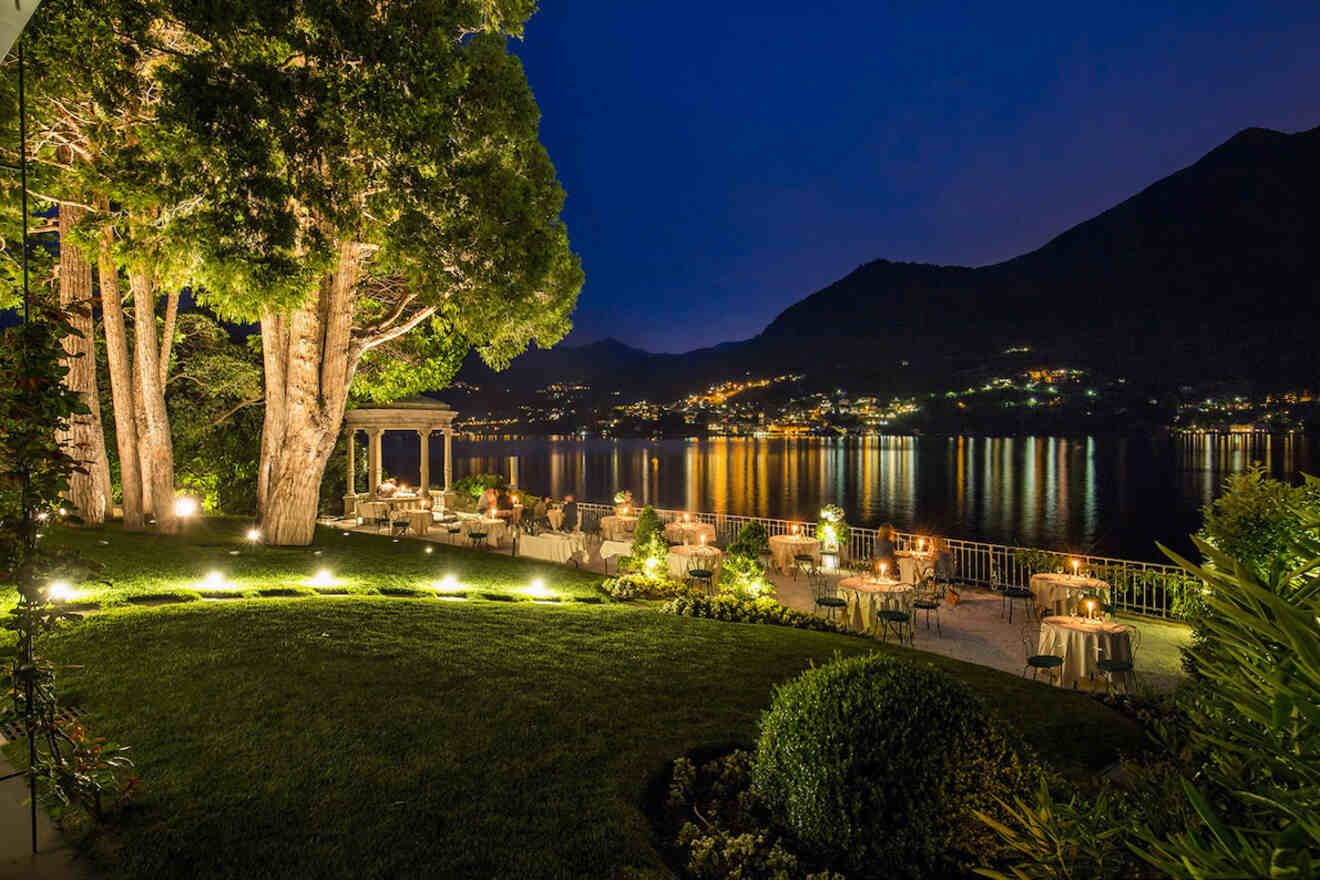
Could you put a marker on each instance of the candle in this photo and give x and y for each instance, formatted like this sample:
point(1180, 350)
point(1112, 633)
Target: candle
point(1075, 563)
point(686, 517)
point(883, 566)
point(921, 545)
point(703, 540)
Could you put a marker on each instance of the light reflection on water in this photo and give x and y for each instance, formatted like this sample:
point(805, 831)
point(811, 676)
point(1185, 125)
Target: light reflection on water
point(1109, 495)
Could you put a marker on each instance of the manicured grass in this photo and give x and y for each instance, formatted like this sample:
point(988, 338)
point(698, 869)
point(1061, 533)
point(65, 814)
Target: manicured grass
point(367, 736)
point(141, 566)
point(359, 737)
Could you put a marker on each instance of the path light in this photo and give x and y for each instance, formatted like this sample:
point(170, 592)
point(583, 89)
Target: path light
point(254, 535)
point(184, 506)
point(214, 580)
point(538, 590)
point(323, 578)
point(60, 591)
point(429, 548)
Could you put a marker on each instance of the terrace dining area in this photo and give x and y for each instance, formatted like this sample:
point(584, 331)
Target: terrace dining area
point(1061, 628)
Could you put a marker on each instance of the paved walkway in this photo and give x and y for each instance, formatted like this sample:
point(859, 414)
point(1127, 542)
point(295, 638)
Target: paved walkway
point(973, 631)
point(55, 858)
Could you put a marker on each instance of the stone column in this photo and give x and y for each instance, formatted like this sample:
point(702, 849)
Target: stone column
point(373, 459)
point(424, 436)
point(350, 489)
point(449, 457)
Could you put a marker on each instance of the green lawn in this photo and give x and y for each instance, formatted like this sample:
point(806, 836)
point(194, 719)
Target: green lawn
point(362, 736)
point(141, 567)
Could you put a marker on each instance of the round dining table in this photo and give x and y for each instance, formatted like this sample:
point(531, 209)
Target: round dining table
point(867, 596)
point(1060, 593)
point(783, 548)
point(689, 532)
point(1082, 642)
point(617, 527)
point(496, 529)
point(685, 556)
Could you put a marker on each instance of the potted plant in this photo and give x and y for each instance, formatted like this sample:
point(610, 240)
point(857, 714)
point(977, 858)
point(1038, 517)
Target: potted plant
point(622, 502)
point(832, 531)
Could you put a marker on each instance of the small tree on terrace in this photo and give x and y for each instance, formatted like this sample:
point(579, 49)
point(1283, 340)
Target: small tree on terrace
point(366, 171)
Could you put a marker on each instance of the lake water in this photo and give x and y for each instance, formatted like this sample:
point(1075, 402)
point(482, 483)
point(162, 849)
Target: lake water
point(1105, 495)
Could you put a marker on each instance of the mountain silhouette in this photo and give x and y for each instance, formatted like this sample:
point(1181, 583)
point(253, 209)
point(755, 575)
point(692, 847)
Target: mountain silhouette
point(1210, 274)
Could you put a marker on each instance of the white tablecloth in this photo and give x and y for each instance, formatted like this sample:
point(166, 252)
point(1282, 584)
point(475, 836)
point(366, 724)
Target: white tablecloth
point(617, 528)
point(689, 532)
point(867, 596)
point(1081, 643)
point(609, 549)
point(913, 566)
point(681, 556)
point(552, 547)
point(1059, 593)
point(497, 530)
point(784, 547)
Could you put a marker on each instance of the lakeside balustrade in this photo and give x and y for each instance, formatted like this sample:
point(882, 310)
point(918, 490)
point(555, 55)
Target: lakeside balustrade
point(1147, 588)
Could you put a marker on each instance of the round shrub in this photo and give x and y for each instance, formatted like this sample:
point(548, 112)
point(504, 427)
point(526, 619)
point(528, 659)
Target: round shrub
point(879, 763)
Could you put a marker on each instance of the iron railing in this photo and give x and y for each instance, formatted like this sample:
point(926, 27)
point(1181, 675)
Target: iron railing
point(1147, 588)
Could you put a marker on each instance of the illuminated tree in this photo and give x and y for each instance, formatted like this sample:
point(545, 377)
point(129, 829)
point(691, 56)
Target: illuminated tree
point(365, 171)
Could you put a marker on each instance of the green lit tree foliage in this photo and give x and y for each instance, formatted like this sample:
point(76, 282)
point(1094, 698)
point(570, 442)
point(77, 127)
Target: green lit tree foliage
point(364, 172)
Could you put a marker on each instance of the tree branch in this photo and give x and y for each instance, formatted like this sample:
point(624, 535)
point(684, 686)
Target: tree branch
point(396, 332)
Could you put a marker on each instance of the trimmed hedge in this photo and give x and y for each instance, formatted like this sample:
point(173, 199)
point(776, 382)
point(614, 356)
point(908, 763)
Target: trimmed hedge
point(735, 610)
point(879, 764)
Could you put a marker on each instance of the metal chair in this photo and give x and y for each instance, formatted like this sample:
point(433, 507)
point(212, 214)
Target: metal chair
point(1007, 594)
point(478, 540)
point(699, 575)
point(945, 572)
point(928, 599)
point(822, 591)
point(1110, 666)
point(1036, 661)
point(803, 562)
point(899, 621)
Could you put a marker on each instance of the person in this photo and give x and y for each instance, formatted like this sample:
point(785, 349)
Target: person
point(884, 551)
point(504, 504)
point(570, 523)
point(945, 570)
point(486, 503)
point(539, 519)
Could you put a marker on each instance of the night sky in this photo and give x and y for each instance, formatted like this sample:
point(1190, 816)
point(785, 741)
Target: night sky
point(724, 159)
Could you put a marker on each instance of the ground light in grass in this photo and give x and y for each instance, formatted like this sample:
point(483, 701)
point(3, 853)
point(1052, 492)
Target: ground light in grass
point(323, 578)
point(539, 593)
point(448, 588)
point(214, 580)
point(60, 591)
point(429, 549)
point(185, 506)
point(254, 535)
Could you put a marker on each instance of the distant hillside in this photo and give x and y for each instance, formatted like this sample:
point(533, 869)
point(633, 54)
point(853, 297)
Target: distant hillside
point(1211, 273)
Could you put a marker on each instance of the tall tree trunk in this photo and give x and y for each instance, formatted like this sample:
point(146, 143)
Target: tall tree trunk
point(167, 334)
point(155, 451)
point(89, 487)
point(121, 387)
point(309, 364)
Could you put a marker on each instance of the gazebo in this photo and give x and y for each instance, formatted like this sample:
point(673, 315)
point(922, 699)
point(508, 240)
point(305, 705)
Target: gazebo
point(419, 414)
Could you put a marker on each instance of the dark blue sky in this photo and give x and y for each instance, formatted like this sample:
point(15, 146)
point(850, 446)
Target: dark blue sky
point(724, 159)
